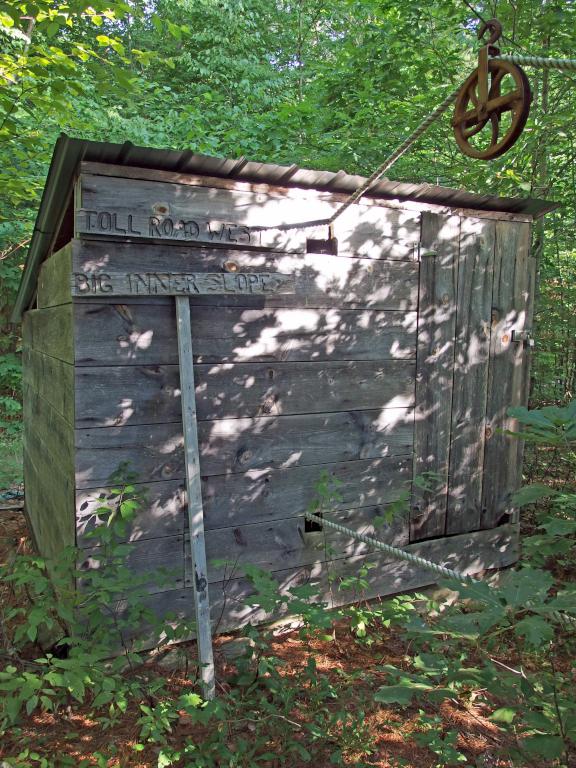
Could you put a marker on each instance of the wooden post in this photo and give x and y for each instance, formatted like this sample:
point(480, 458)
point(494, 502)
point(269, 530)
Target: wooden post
point(434, 371)
point(194, 492)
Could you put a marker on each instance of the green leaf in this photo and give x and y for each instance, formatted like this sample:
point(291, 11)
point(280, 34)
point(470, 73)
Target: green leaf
point(31, 704)
point(526, 586)
point(558, 526)
point(544, 745)
point(503, 715)
point(470, 625)
point(529, 494)
point(164, 759)
point(535, 630)
point(394, 694)
point(302, 752)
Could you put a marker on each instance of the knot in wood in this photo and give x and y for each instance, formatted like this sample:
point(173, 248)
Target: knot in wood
point(268, 404)
point(244, 456)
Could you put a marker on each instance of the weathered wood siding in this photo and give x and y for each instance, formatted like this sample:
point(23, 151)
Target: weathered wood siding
point(434, 373)
point(363, 230)
point(512, 310)
point(231, 606)
point(476, 289)
point(48, 393)
point(471, 348)
point(287, 386)
point(391, 360)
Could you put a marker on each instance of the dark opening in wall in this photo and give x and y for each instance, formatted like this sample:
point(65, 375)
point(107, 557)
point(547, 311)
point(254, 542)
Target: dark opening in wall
point(328, 247)
point(311, 525)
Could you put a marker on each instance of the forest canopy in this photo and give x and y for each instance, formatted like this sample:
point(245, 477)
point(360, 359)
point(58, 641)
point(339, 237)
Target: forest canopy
point(327, 85)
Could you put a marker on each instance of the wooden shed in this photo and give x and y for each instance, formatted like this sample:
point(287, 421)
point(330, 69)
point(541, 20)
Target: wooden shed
point(390, 357)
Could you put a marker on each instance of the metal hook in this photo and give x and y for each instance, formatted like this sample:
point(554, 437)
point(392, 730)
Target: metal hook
point(495, 28)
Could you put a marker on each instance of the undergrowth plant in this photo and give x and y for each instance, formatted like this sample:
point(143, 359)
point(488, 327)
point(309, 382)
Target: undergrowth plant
point(500, 651)
point(70, 626)
point(503, 646)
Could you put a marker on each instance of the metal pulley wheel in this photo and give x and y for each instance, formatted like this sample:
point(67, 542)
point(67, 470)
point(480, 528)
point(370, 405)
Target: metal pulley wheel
point(493, 104)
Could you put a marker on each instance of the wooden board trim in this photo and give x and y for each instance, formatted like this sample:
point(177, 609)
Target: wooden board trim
point(148, 394)
point(50, 331)
point(196, 230)
point(132, 333)
point(195, 180)
point(512, 309)
point(320, 280)
point(147, 283)
point(50, 378)
point(252, 497)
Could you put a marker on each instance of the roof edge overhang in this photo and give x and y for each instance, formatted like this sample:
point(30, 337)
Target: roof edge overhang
point(69, 152)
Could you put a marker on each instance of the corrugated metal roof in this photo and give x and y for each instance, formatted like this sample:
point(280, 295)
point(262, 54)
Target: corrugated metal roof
point(69, 152)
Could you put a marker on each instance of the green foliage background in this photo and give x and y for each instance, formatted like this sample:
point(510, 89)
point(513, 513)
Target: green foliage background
point(329, 85)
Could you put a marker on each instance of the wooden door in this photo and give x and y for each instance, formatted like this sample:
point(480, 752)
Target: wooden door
point(476, 294)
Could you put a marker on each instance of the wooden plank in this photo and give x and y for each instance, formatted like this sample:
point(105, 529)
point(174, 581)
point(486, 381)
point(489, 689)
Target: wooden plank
point(53, 436)
point(115, 221)
point(262, 495)
point(250, 497)
point(524, 378)
point(235, 445)
point(175, 177)
point(54, 279)
point(320, 280)
point(150, 283)
point(434, 371)
point(112, 396)
point(512, 302)
point(196, 546)
point(467, 553)
point(48, 474)
point(50, 331)
point(135, 334)
point(234, 606)
point(473, 317)
point(48, 502)
point(361, 225)
point(51, 379)
point(162, 560)
point(286, 543)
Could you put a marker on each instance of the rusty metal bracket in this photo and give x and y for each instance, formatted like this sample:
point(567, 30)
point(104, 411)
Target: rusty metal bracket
point(524, 337)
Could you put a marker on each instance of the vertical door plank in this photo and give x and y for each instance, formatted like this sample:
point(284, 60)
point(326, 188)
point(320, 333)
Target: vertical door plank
point(434, 372)
point(512, 307)
point(194, 492)
point(473, 317)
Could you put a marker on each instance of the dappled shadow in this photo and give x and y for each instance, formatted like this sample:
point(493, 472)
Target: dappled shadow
point(286, 387)
point(334, 378)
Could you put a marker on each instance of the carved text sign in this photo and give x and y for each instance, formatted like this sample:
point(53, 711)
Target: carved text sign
point(170, 227)
point(180, 283)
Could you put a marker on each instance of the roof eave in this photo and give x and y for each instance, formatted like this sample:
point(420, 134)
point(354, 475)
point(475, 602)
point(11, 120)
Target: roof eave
point(69, 152)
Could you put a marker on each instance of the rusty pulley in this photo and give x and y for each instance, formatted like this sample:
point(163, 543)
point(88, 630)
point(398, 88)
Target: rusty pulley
point(493, 104)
